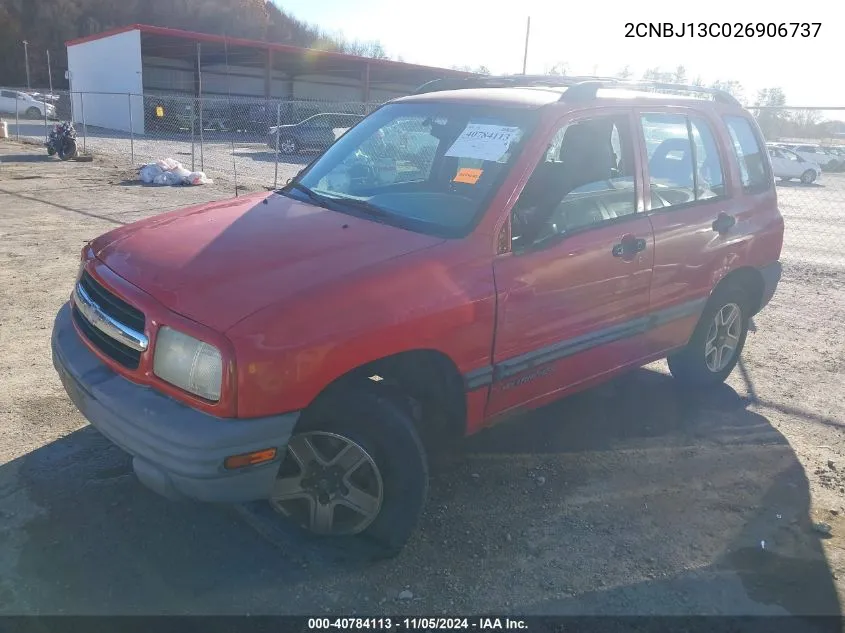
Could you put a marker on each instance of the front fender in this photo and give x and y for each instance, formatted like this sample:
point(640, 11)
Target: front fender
point(287, 354)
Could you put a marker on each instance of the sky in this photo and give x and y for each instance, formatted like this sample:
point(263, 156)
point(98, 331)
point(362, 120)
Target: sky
point(590, 39)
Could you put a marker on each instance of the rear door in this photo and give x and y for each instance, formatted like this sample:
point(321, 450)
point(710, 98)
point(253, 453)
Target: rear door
point(572, 304)
point(703, 219)
point(796, 165)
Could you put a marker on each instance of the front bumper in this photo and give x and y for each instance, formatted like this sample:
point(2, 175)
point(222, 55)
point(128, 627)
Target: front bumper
point(176, 451)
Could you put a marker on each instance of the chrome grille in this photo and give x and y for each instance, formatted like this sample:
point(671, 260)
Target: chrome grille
point(112, 325)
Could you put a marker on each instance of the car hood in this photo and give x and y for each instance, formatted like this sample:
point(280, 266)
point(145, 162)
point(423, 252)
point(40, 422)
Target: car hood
point(218, 263)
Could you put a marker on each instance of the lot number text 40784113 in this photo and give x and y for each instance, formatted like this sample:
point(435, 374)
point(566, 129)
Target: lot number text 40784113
point(417, 624)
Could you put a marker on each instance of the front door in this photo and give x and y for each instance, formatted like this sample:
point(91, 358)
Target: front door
point(573, 294)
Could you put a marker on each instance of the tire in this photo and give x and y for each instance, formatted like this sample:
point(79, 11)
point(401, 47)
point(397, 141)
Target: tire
point(51, 151)
point(366, 422)
point(808, 177)
point(33, 113)
point(288, 145)
point(693, 365)
point(68, 149)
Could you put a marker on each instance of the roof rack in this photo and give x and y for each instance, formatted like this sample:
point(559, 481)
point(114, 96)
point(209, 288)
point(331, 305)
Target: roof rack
point(504, 81)
point(586, 90)
point(578, 88)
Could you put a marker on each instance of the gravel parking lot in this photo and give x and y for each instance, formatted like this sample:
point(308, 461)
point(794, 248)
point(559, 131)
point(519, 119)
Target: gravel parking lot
point(632, 498)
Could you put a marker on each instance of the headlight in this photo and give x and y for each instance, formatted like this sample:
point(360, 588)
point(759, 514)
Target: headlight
point(188, 363)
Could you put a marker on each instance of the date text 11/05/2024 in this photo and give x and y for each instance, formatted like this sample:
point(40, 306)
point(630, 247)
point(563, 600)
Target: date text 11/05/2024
point(722, 29)
point(417, 624)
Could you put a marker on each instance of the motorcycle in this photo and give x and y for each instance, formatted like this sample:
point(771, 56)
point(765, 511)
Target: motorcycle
point(62, 141)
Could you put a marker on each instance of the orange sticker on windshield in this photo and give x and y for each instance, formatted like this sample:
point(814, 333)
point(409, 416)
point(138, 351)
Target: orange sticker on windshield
point(468, 175)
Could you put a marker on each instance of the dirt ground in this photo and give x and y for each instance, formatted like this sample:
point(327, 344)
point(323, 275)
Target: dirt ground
point(632, 498)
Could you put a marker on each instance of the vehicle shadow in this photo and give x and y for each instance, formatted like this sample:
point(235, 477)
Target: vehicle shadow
point(634, 497)
point(27, 158)
point(799, 184)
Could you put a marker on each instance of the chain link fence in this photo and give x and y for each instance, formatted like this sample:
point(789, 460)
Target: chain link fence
point(242, 141)
point(265, 142)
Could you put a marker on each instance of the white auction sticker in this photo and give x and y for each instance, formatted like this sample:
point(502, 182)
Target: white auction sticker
point(483, 141)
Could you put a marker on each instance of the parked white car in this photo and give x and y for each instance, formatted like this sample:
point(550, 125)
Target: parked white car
point(787, 165)
point(838, 152)
point(26, 106)
point(816, 154)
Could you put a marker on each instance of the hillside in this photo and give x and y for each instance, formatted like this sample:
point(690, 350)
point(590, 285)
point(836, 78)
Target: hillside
point(48, 24)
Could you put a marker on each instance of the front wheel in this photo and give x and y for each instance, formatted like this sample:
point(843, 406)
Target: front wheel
point(68, 149)
point(33, 113)
point(808, 177)
point(354, 466)
point(717, 341)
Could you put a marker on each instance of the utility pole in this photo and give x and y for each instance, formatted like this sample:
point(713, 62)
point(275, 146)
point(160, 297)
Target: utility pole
point(525, 57)
point(26, 61)
point(50, 73)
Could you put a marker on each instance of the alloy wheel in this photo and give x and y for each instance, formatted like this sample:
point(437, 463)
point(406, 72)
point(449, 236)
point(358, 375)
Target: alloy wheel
point(329, 484)
point(723, 337)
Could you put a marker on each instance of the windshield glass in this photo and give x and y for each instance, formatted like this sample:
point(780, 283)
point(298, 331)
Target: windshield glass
point(428, 167)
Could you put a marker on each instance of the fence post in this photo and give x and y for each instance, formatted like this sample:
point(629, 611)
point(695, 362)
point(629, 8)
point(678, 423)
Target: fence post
point(278, 124)
point(202, 138)
point(17, 119)
point(84, 126)
point(131, 132)
point(193, 135)
point(46, 126)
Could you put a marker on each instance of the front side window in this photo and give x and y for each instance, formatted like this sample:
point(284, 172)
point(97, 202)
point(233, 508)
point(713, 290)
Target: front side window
point(683, 160)
point(586, 179)
point(430, 167)
point(753, 166)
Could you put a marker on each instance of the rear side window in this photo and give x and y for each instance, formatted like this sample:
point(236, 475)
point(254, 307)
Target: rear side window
point(753, 166)
point(683, 160)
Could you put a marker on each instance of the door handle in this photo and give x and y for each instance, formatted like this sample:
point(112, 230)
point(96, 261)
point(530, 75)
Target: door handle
point(628, 246)
point(723, 223)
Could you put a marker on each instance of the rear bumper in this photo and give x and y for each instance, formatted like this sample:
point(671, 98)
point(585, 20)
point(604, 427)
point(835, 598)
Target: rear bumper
point(771, 277)
point(177, 451)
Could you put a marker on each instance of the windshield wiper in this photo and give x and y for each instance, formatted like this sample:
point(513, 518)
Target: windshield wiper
point(363, 205)
point(313, 196)
point(332, 202)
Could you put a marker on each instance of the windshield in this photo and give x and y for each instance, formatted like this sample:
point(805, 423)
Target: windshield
point(426, 167)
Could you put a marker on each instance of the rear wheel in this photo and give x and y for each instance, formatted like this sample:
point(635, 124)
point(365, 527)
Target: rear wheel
point(33, 113)
point(808, 177)
point(716, 344)
point(354, 466)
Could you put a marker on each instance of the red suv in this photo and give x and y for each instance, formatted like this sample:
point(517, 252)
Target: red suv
point(458, 256)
